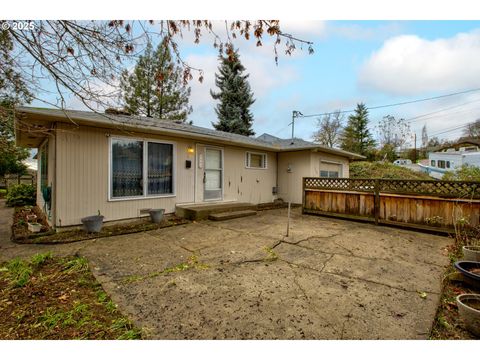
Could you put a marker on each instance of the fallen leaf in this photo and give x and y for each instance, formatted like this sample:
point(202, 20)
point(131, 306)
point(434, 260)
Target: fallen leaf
point(63, 297)
point(422, 294)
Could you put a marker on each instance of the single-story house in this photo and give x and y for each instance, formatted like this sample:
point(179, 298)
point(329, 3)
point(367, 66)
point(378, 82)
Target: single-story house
point(452, 156)
point(122, 165)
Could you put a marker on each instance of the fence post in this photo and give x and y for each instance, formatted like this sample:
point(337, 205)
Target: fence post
point(376, 203)
point(303, 196)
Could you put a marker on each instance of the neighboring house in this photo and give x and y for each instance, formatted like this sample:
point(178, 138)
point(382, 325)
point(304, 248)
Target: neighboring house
point(122, 165)
point(448, 158)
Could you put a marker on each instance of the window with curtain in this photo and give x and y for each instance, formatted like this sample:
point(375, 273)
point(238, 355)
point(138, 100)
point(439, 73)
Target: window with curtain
point(127, 168)
point(141, 168)
point(160, 168)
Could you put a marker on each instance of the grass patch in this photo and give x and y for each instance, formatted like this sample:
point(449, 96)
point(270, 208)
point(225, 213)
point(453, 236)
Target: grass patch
point(57, 298)
point(192, 263)
point(18, 272)
point(271, 254)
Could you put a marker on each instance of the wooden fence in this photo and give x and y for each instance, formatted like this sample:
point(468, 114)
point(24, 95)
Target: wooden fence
point(10, 180)
point(422, 204)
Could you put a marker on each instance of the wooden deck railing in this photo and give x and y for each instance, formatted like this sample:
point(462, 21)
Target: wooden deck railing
point(424, 204)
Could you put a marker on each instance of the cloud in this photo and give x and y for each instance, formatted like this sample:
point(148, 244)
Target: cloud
point(304, 28)
point(410, 65)
point(362, 32)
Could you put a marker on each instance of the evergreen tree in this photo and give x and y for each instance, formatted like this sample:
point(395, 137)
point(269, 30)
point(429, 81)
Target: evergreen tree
point(235, 97)
point(155, 88)
point(11, 156)
point(356, 137)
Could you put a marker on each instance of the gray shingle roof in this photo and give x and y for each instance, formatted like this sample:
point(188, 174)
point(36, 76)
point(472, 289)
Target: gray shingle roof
point(267, 142)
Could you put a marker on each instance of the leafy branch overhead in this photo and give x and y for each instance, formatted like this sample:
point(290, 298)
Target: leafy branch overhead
point(85, 59)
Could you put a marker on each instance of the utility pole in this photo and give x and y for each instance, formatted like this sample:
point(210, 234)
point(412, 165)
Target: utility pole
point(415, 147)
point(295, 114)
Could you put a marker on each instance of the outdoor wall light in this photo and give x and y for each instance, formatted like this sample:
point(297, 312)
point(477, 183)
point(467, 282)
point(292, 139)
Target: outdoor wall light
point(190, 150)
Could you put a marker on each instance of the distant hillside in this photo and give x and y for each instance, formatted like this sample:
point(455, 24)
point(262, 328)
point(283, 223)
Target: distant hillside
point(381, 170)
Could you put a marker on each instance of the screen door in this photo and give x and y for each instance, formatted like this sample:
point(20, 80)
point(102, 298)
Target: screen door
point(213, 174)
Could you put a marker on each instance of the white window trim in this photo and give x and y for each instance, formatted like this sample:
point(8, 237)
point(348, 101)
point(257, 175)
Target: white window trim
point(340, 173)
point(145, 169)
point(247, 160)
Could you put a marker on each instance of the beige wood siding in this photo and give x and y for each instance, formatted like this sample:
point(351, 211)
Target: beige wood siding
point(319, 157)
point(248, 185)
point(303, 164)
point(290, 182)
point(239, 183)
point(83, 178)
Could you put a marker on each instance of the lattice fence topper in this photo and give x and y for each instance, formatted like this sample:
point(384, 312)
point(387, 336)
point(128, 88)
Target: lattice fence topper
point(340, 184)
point(458, 189)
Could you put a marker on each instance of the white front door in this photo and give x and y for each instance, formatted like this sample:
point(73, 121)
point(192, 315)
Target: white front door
point(213, 174)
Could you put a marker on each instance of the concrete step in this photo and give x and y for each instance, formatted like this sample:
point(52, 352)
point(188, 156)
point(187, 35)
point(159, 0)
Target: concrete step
point(202, 211)
point(231, 215)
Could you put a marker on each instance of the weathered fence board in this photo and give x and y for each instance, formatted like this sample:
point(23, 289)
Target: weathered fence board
point(427, 204)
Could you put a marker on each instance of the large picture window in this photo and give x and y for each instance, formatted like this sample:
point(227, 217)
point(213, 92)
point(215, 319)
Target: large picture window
point(140, 168)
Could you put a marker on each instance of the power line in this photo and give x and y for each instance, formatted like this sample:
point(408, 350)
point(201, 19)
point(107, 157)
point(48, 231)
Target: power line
point(452, 129)
point(395, 104)
point(417, 118)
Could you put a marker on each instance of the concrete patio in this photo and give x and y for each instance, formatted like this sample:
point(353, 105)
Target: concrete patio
point(243, 279)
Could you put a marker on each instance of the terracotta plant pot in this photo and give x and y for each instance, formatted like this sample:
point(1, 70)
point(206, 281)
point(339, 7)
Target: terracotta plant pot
point(93, 224)
point(156, 215)
point(471, 253)
point(469, 310)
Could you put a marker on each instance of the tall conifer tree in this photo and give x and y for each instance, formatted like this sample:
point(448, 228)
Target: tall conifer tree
point(235, 97)
point(356, 136)
point(155, 88)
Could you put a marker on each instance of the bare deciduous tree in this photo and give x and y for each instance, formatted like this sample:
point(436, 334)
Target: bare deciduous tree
point(393, 132)
point(473, 129)
point(85, 58)
point(329, 129)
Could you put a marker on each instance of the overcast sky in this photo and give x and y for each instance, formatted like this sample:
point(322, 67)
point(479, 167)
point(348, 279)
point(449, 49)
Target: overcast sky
point(375, 62)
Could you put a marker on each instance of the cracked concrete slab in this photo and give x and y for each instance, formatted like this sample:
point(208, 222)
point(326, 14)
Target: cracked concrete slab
point(331, 279)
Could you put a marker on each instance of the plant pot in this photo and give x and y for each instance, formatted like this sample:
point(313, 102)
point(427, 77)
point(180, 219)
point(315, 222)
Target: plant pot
point(470, 270)
point(469, 310)
point(156, 215)
point(93, 224)
point(34, 227)
point(471, 253)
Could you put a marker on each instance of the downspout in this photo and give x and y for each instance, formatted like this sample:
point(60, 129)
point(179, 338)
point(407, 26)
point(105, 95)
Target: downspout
point(276, 177)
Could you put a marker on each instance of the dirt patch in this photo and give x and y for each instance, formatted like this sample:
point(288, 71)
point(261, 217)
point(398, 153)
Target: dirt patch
point(80, 235)
point(57, 298)
point(448, 324)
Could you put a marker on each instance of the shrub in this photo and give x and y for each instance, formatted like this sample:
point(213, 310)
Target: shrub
point(21, 195)
point(465, 173)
